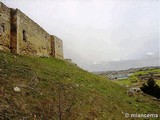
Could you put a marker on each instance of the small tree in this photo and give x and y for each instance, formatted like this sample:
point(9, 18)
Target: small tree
point(151, 88)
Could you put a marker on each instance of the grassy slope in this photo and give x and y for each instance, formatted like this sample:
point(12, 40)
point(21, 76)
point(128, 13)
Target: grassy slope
point(82, 95)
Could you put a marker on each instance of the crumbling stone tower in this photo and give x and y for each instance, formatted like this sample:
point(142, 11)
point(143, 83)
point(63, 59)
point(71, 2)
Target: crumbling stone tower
point(21, 35)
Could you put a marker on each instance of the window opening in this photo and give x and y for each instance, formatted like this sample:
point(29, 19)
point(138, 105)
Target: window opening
point(24, 36)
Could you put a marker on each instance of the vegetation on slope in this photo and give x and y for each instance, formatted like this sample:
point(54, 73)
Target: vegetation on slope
point(55, 89)
point(151, 88)
point(136, 78)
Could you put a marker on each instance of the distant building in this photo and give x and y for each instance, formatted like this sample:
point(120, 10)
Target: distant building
point(119, 76)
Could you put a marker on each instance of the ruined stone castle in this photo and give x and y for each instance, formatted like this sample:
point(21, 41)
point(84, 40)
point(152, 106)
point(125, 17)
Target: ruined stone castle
point(21, 35)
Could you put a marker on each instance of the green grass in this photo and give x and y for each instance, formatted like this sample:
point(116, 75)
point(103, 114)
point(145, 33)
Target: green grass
point(134, 77)
point(140, 73)
point(158, 82)
point(123, 82)
point(47, 83)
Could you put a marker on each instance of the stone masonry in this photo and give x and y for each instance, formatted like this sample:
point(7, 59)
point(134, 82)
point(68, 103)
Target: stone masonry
point(21, 35)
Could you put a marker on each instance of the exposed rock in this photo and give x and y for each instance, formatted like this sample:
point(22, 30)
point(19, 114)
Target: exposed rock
point(130, 93)
point(134, 91)
point(17, 89)
point(77, 85)
point(155, 99)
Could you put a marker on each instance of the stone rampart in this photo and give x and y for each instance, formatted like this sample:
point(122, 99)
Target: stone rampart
point(19, 34)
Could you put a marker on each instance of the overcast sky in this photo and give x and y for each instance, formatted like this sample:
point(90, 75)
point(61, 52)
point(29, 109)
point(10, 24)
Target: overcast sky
point(100, 34)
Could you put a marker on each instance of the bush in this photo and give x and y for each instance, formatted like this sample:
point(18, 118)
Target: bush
point(151, 88)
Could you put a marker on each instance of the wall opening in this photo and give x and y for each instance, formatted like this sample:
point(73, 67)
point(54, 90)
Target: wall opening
point(24, 36)
point(2, 28)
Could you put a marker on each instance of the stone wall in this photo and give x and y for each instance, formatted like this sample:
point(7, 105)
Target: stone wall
point(4, 27)
point(19, 34)
point(31, 38)
point(57, 47)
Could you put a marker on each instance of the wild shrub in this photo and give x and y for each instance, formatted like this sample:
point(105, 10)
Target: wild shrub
point(151, 88)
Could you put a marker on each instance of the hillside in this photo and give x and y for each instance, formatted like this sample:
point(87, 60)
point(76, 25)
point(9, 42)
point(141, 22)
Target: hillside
point(139, 77)
point(54, 89)
point(126, 73)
